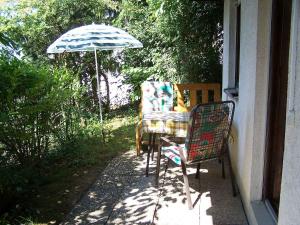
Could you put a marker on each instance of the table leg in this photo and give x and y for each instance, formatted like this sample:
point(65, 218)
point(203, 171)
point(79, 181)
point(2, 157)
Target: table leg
point(148, 154)
point(158, 162)
point(153, 145)
point(138, 138)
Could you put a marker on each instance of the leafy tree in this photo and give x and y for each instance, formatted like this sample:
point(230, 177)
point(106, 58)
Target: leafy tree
point(6, 41)
point(35, 24)
point(194, 33)
point(182, 40)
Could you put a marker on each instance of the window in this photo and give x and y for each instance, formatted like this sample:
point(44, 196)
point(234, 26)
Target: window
point(233, 90)
point(237, 45)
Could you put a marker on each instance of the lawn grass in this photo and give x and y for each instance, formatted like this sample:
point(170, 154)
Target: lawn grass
point(67, 175)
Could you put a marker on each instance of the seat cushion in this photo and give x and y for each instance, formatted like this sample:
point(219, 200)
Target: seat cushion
point(172, 152)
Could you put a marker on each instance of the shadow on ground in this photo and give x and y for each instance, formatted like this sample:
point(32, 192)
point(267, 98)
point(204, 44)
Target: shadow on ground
point(123, 195)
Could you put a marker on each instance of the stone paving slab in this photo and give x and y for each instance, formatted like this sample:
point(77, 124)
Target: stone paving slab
point(212, 197)
point(137, 205)
point(99, 202)
point(124, 195)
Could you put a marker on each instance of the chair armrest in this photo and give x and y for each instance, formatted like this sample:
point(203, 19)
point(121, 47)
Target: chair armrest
point(168, 141)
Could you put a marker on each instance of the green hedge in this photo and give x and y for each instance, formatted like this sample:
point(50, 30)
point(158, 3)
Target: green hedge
point(39, 110)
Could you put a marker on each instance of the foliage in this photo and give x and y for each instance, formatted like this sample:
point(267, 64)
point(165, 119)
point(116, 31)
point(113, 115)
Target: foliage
point(39, 111)
point(67, 172)
point(182, 40)
point(35, 105)
point(7, 46)
point(6, 41)
point(194, 32)
point(35, 24)
point(48, 124)
point(41, 114)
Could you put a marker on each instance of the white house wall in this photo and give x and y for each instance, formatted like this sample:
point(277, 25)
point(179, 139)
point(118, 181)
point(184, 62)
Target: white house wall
point(248, 146)
point(249, 127)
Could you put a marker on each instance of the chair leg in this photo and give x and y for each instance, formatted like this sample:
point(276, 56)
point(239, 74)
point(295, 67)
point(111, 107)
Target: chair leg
point(148, 154)
point(199, 180)
point(223, 167)
point(187, 187)
point(231, 172)
point(167, 165)
point(198, 171)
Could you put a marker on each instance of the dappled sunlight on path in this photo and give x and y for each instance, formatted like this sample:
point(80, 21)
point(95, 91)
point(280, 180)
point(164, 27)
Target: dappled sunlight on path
point(212, 197)
point(124, 195)
point(121, 195)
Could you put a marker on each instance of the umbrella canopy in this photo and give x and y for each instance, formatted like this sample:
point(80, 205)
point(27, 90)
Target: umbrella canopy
point(92, 38)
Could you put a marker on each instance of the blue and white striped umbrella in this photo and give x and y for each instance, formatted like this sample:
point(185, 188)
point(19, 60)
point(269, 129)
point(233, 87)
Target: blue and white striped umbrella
point(92, 38)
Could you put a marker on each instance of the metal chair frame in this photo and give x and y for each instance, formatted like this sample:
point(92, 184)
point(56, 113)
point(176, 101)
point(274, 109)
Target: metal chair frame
point(221, 150)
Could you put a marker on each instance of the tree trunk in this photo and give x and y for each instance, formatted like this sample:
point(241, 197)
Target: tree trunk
point(107, 104)
point(94, 89)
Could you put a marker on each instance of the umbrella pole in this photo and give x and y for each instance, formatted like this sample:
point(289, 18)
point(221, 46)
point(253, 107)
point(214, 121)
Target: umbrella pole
point(98, 86)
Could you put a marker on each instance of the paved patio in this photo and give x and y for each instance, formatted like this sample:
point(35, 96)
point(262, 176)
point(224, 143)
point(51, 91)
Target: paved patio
point(123, 195)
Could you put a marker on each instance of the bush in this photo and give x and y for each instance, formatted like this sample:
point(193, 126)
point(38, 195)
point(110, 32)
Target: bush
point(34, 106)
point(40, 110)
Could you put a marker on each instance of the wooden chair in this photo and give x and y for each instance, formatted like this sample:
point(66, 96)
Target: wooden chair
point(189, 95)
point(207, 137)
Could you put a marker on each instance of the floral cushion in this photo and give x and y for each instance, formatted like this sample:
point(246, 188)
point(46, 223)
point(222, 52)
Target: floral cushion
point(157, 96)
point(172, 152)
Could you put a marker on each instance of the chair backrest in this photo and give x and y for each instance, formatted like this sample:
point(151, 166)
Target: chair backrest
point(208, 130)
point(189, 95)
point(157, 96)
